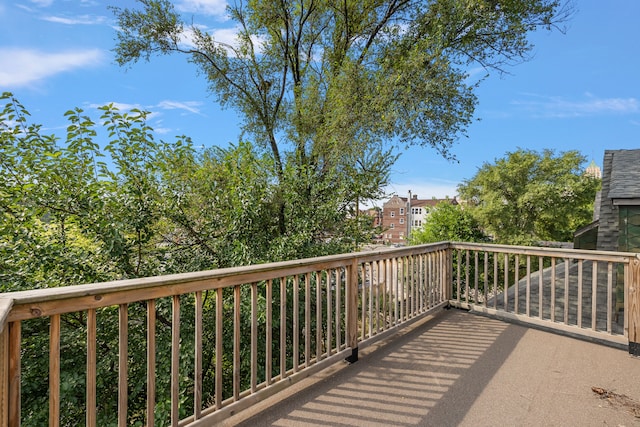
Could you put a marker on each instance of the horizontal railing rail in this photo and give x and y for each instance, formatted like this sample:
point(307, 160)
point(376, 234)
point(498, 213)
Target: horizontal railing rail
point(581, 292)
point(190, 349)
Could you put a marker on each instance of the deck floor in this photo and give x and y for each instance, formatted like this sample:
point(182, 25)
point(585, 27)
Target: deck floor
point(458, 368)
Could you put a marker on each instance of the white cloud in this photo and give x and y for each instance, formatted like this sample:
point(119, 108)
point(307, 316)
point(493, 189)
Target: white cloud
point(590, 105)
point(190, 106)
point(23, 67)
point(42, 3)
point(206, 7)
point(81, 20)
point(121, 106)
point(225, 36)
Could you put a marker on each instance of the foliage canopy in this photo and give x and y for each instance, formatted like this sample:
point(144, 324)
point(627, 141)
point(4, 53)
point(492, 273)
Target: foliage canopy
point(448, 222)
point(324, 86)
point(528, 197)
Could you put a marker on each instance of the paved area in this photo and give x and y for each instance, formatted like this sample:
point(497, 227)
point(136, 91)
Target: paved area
point(461, 369)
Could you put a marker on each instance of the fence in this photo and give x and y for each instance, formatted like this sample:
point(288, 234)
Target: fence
point(574, 291)
point(193, 348)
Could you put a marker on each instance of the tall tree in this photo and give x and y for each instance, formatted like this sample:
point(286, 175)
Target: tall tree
point(448, 222)
point(320, 83)
point(527, 197)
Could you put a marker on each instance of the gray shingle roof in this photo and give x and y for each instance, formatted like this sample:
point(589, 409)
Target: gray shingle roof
point(625, 174)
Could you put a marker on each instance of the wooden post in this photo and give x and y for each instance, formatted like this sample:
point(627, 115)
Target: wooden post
point(4, 376)
point(13, 393)
point(351, 301)
point(633, 303)
point(5, 356)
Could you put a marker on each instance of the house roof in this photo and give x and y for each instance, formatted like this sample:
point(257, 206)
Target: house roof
point(625, 174)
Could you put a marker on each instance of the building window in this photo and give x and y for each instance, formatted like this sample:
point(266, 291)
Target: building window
point(401, 220)
point(393, 213)
point(416, 211)
point(417, 223)
point(401, 211)
point(392, 226)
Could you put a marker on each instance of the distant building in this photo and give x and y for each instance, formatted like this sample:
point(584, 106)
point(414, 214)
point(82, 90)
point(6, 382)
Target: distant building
point(593, 170)
point(401, 215)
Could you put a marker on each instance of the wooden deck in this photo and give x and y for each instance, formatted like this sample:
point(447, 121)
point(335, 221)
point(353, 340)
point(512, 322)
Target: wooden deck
point(463, 369)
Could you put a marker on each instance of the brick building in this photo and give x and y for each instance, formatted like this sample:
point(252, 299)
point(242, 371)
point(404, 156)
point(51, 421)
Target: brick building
point(400, 215)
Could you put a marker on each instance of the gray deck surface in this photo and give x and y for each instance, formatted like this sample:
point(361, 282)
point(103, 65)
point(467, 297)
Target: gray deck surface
point(463, 369)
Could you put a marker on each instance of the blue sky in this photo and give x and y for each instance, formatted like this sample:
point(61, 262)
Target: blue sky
point(580, 91)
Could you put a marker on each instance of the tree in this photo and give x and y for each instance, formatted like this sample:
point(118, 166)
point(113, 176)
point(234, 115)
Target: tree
point(448, 222)
point(320, 84)
point(527, 197)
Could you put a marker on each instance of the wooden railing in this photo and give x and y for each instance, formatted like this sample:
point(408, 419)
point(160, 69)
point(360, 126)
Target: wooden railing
point(595, 294)
point(191, 349)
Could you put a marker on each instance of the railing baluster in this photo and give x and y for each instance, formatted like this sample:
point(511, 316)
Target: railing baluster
point(486, 278)
point(428, 279)
point(296, 322)
point(458, 275)
point(371, 288)
point(307, 320)
point(553, 290)
point(151, 361)
point(506, 282)
point(237, 304)
point(380, 283)
point(466, 277)
point(283, 328)
point(54, 371)
point(580, 283)
point(197, 380)
point(609, 296)
point(516, 284)
point(495, 280)
point(219, 348)
point(318, 316)
point(402, 263)
point(329, 315)
point(540, 287)
point(528, 290)
point(351, 310)
point(377, 300)
point(91, 368)
point(476, 277)
point(566, 291)
point(393, 291)
point(123, 343)
point(594, 295)
point(626, 300)
point(338, 309)
point(363, 303)
point(268, 369)
point(396, 298)
point(254, 337)
point(412, 283)
point(175, 360)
